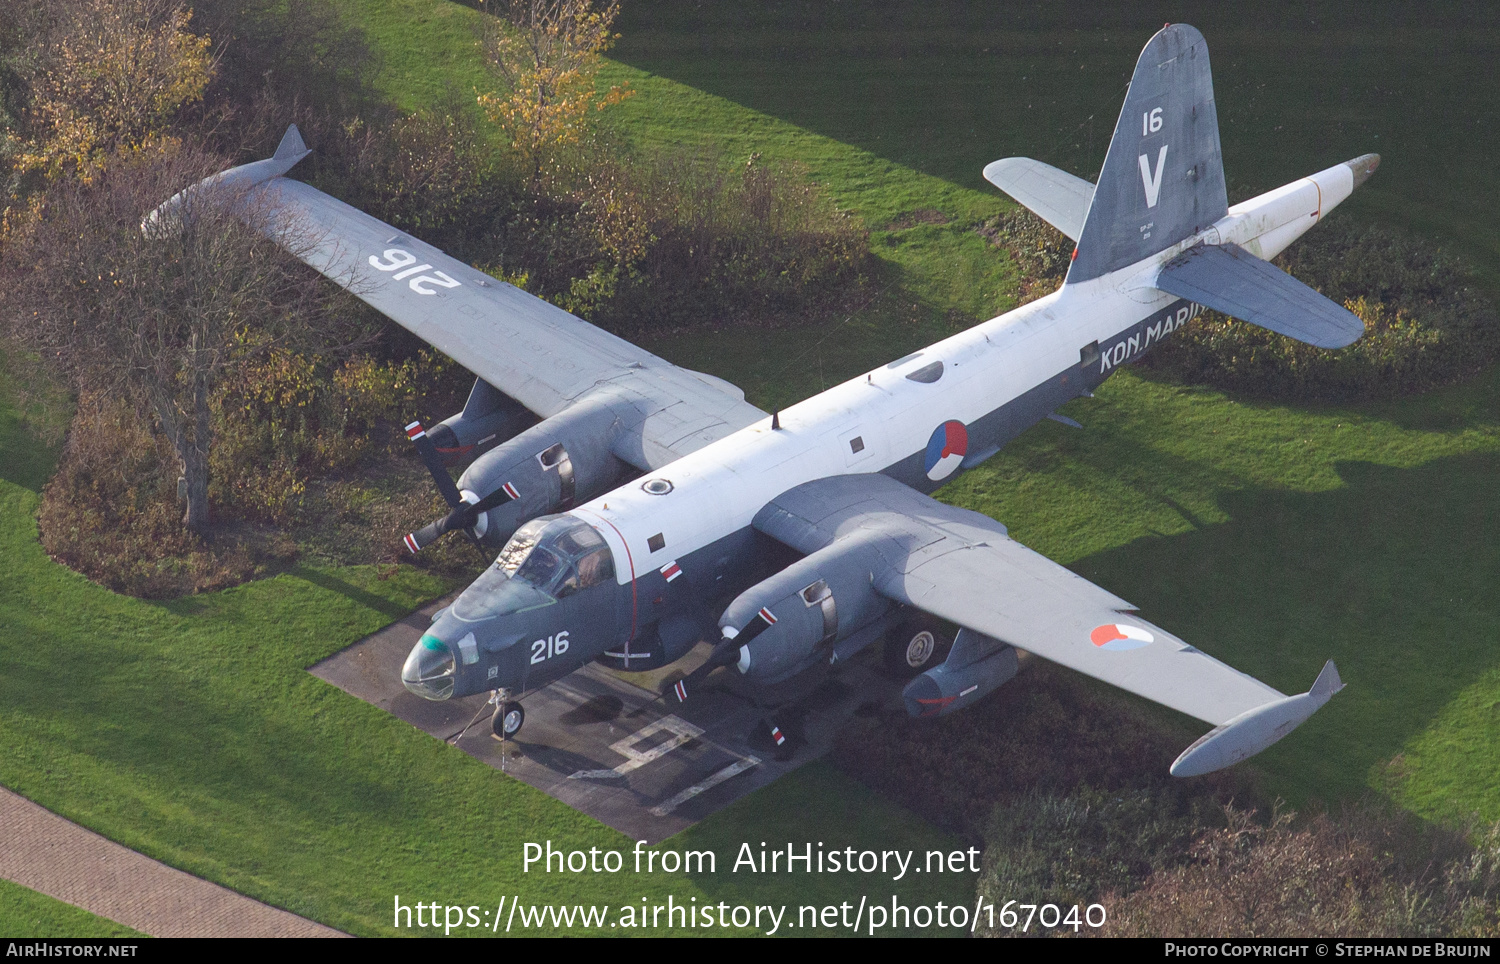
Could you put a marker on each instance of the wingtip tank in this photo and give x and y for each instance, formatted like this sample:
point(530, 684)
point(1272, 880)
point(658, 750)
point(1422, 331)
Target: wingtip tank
point(1256, 729)
point(167, 217)
point(1363, 166)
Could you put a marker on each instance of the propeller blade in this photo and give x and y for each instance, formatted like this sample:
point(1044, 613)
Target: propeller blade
point(726, 652)
point(434, 463)
point(464, 516)
point(506, 493)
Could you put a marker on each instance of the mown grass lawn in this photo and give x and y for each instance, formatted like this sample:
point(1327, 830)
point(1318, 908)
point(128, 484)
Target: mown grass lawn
point(26, 913)
point(1275, 537)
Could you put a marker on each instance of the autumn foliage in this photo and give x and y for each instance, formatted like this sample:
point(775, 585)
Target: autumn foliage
point(117, 75)
point(549, 56)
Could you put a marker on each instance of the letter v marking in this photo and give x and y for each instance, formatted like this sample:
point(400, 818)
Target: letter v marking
point(1152, 182)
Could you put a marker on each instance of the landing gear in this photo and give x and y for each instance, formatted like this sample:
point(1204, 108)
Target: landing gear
point(917, 645)
point(506, 722)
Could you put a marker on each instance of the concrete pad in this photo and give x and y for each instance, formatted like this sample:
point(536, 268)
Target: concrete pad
point(603, 745)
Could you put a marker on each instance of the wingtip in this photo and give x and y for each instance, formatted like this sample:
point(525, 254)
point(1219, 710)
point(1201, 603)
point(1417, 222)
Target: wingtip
point(1328, 682)
point(291, 145)
point(1363, 166)
point(1254, 730)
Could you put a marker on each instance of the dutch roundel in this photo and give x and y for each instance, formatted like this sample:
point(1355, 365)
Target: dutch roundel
point(946, 450)
point(1118, 636)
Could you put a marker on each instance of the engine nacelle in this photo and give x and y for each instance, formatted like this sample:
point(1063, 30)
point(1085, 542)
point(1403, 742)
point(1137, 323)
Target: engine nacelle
point(550, 467)
point(792, 619)
point(489, 418)
point(975, 667)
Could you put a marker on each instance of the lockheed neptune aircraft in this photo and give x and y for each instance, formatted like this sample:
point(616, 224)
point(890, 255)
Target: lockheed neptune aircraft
point(650, 507)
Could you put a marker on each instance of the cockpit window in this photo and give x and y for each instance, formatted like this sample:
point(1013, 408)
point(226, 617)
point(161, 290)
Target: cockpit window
point(540, 567)
point(578, 540)
point(547, 559)
point(519, 546)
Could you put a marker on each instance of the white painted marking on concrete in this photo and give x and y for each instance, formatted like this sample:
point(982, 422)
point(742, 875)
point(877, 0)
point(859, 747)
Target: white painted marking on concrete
point(682, 732)
point(734, 769)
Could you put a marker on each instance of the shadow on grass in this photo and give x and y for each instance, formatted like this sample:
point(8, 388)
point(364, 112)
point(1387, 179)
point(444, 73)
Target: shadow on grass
point(24, 461)
point(1390, 575)
point(945, 87)
point(332, 583)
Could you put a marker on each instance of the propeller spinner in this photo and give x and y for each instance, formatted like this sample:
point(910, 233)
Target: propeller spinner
point(726, 652)
point(467, 506)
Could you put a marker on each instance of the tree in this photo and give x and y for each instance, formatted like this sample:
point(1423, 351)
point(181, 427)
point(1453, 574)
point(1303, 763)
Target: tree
point(549, 59)
point(109, 83)
point(157, 317)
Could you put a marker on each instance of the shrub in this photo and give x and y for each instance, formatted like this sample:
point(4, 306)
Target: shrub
point(1074, 848)
point(1041, 252)
point(1371, 874)
point(1426, 321)
point(111, 512)
point(1426, 324)
point(686, 239)
point(290, 419)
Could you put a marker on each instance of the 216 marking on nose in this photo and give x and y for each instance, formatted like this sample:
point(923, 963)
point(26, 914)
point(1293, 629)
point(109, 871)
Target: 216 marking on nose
point(547, 648)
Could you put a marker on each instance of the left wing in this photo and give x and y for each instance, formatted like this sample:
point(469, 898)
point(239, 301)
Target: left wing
point(1056, 197)
point(529, 349)
point(962, 566)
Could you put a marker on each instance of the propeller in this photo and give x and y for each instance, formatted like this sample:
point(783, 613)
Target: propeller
point(465, 513)
point(726, 652)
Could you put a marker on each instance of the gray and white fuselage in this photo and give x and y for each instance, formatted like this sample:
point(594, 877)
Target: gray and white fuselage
point(693, 517)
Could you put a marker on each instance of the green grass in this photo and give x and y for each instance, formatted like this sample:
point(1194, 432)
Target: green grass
point(190, 731)
point(26, 913)
point(1275, 537)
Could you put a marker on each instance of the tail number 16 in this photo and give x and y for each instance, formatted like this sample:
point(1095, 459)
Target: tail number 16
point(549, 647)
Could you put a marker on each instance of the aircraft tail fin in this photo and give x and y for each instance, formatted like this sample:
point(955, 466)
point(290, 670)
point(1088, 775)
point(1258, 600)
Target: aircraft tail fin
point(1163, 178)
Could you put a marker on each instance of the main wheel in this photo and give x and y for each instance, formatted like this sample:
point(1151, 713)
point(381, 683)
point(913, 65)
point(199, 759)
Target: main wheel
point(506, 722)
point(915, 646)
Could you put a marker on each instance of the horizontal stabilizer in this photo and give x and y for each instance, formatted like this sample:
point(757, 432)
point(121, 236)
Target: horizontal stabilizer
point(1254, 730)
point(1227, 278)
point(1056, 197)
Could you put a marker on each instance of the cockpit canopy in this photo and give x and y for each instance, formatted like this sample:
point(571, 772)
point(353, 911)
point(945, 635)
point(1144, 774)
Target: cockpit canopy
point(548, 558)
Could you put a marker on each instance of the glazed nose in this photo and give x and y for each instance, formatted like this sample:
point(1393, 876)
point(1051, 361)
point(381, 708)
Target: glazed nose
point(430, 669)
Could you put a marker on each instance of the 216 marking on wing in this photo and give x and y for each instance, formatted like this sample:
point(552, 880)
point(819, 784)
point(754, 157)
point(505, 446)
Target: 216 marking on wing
point(405, 264)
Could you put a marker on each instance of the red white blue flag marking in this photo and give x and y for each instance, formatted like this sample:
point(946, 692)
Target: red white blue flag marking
point(946, 450)
point(414, 431)
point(671, 570)
point(1118, 636)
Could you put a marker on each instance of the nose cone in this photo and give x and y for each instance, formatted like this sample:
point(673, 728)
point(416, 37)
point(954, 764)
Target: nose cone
point(430, 669)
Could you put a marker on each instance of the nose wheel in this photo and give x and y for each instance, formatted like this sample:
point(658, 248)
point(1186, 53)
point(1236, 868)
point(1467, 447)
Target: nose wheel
point(506, 722)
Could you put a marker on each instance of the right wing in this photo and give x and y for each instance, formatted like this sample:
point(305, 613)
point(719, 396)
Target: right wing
point(1227, 278)
point(529, 349)
point(961, 566)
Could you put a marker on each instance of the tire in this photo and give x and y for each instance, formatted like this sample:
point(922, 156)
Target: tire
point(916, 646)
point(508, 720)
